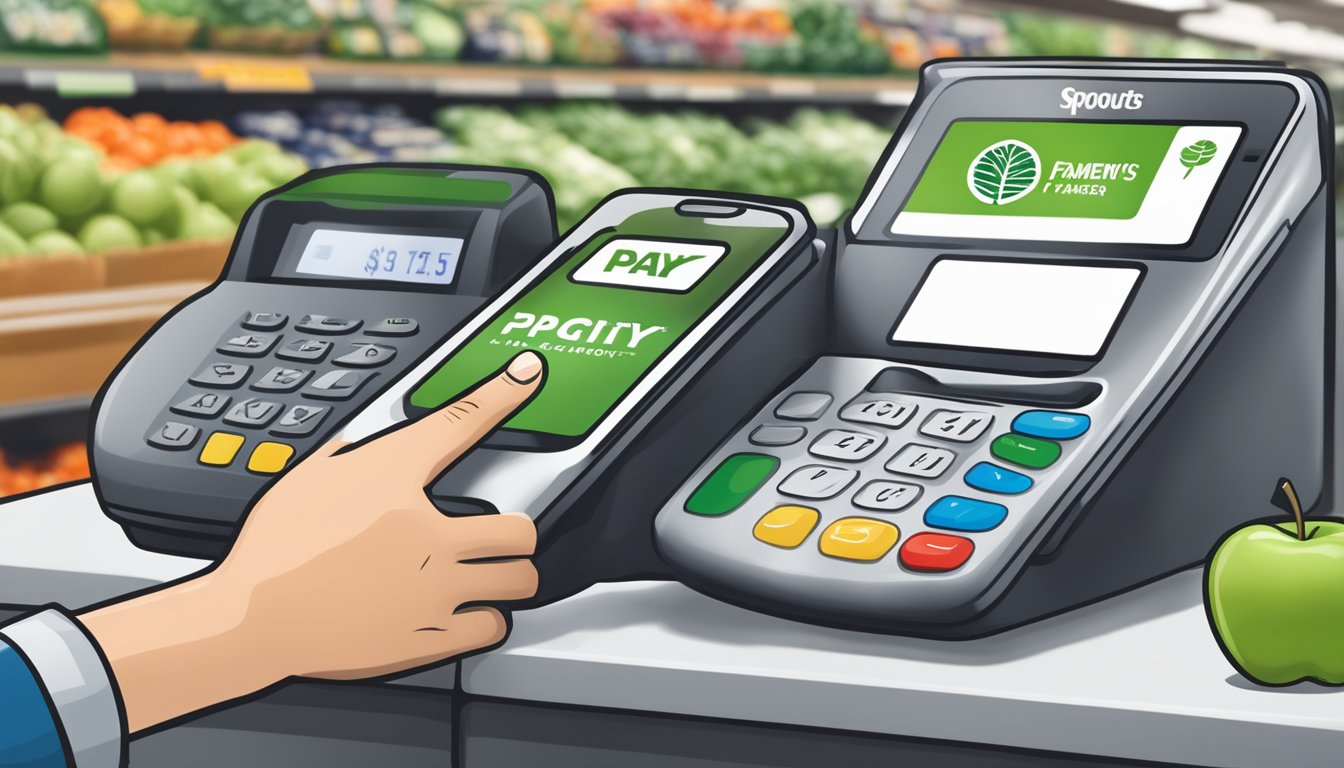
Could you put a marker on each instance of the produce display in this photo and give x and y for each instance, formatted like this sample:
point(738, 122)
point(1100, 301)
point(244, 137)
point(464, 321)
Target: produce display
point(339, 132)
point(64, 464)
point(106, 181)
point(589, 150)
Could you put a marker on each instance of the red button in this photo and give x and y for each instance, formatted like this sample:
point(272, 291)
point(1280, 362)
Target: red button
point(936, 552)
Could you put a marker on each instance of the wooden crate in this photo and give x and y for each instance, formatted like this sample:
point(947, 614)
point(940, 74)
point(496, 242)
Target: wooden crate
point(182, 261)
point(64, 345)
point(33, 275)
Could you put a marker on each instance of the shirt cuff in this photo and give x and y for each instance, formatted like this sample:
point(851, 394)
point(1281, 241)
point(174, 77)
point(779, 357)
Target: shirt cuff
point(71, 667)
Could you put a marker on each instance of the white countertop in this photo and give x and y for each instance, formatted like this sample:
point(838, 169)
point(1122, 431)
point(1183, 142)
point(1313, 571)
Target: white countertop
point(1137, 677)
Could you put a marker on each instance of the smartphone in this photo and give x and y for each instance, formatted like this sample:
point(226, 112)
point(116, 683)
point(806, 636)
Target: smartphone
point(625, 309)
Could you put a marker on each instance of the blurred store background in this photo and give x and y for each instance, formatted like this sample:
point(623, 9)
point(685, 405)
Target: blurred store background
point(135, 133)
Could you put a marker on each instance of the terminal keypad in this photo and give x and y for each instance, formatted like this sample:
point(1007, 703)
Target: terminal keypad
point(267, 384)
point(911, 480)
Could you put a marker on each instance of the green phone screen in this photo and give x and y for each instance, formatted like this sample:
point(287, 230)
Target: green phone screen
point(606, 314)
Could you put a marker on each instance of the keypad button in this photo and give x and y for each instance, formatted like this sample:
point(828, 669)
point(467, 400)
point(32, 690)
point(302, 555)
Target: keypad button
point(1025, 451)
point(265, 321)
point(327, 324)
point(886, 496)
point(248, 344)
point(958, 513)
point(859, 538)
point(957, 426)
point(205, 405)
point(846, 445)
point(732, 483)
point(777, 435)
point(921, 461)
point(1052, 425)
point(880, 411)
point(252, 413)
point(817, 482)
point(803, 406)
point(281, 379)
point(305, 350)
point(174, 436)
point(301, 420)
point(268, 458)
point(220, 449)
point(786, 527)
point(995, 479)
point(936, 552)
point(222, 375)
point(394, 326)
point(337, 385)
point(367, 355)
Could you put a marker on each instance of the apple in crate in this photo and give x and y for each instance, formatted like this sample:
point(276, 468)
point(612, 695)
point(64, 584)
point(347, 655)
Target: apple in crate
point(1274, 596)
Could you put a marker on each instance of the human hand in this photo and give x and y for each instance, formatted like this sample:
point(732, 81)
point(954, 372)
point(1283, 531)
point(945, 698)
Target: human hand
point(343, 569)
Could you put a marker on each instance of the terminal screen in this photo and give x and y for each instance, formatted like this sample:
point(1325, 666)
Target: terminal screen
point(1050, 309)
point(1069, 181)
point(606, 314)
point(353, 255)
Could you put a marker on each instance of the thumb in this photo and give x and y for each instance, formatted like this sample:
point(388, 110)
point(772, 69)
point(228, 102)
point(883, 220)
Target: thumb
point(430, 444)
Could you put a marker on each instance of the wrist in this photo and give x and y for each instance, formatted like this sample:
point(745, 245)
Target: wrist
point(182, 648)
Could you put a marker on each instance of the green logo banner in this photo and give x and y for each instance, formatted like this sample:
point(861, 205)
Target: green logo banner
point(1053, 169)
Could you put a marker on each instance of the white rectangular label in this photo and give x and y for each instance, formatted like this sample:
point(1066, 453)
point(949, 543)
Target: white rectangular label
point(1045, 308)
point(655, 265)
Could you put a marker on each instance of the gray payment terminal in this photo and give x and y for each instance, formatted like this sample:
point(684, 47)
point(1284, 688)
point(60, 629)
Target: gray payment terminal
point(1082, 319)
point(337, 283)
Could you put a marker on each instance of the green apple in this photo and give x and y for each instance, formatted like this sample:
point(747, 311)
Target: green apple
point(1274, 596)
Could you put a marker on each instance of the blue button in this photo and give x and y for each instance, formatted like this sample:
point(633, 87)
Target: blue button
point(995, 479)
point(1051, 425)
point(958, 513)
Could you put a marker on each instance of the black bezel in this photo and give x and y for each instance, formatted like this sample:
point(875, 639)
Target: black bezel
point(1262, 108)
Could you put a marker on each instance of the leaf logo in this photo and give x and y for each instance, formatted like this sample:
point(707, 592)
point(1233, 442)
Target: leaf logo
point(1197, 154)
point(1004, 172)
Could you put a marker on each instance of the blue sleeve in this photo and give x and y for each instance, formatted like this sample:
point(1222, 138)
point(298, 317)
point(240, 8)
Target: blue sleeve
point(29, 735)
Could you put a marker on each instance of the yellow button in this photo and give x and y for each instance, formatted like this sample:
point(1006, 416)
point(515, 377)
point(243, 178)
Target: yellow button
point(858, 538)
point(269, 458)
point(786, 526)
point(220, 449)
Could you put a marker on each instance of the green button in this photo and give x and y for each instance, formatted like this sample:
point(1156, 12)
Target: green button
point(732, 483)
point(1025, 451)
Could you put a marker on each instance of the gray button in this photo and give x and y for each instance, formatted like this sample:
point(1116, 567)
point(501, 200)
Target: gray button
point(300, 420)
point(282, 379)
point(306, 350)
point(203, 404)
point(777, 435)
point(886, 496)
point(248, 344)
point(394, 326)
point(817, 482)
point(803, 406)
point(957, 426)
point(921, 461)
point(846, 445)
point(880, 411)
point(367, 355)
point(265, 321)
point(174, 436)
point(252, 413)
point(337, 385)
point(325, 324)
point(222, 375)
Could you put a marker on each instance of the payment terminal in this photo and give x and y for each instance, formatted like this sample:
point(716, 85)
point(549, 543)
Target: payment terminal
point(1082, 319)
point(337, 283)
point(649, 293)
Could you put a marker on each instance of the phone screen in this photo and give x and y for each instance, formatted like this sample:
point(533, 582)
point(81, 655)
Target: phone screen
point(606, 314)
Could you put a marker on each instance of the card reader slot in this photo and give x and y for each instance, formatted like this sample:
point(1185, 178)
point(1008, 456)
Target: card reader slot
point(1055, 394)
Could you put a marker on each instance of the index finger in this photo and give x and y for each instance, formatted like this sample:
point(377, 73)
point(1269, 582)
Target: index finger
point(428, 445)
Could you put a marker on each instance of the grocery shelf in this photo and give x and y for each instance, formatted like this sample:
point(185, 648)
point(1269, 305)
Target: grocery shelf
point(127, 73)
